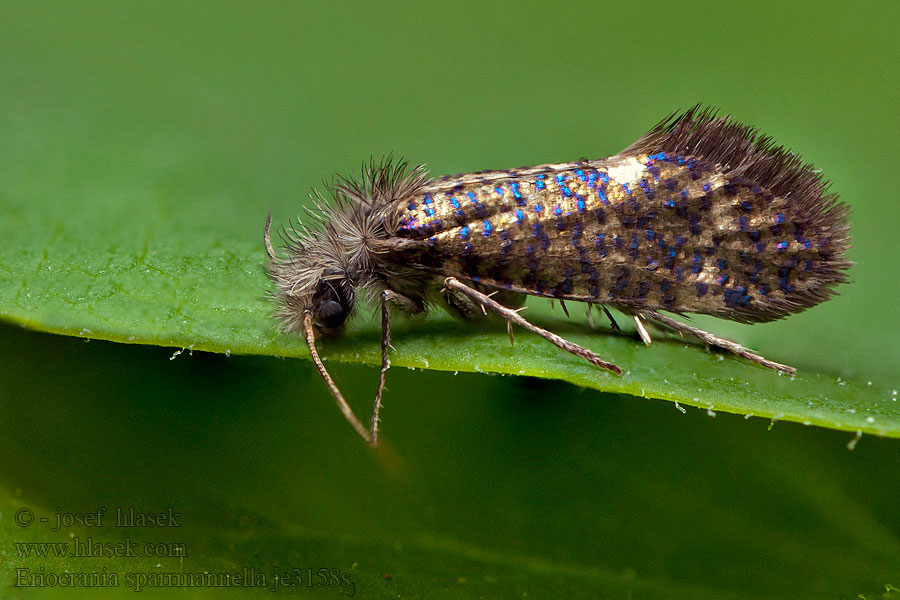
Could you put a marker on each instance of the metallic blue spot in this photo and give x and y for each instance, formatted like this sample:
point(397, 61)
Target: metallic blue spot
point(520, 216)
point(540, 184)
point(464, 233)
point(545, 241)
point(779, 218)
point(487, 228)
point(471, 196)
point(684, 193)
point(581, 205)
point(743, 223)
point(454, 201)
point(566, 191)
point(412, 205)
point(538, 208)
point(764, 290)
point(429, 211)
point(782, 245)
point(723, 279)
point(736, 297)
point(558, 210)
point(580, 174)
point(427, 199)
point(696, 262)
point(603, 198)
point(650, 234)
point(625, 187)
point(577, 231)
point(747, 206)
point(670, 203)
point(499, 191)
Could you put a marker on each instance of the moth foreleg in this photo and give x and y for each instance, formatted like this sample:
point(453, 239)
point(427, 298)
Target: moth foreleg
point(388, 298)
point(451, 283)
point(714, 340)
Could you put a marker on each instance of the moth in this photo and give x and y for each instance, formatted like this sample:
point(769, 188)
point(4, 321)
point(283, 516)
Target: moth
point(701, 215)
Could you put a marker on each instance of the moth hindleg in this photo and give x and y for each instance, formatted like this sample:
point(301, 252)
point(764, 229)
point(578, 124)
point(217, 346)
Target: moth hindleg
point(714, 340)
point(642, 331)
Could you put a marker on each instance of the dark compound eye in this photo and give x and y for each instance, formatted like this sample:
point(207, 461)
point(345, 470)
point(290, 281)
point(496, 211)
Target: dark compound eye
point(331, 314)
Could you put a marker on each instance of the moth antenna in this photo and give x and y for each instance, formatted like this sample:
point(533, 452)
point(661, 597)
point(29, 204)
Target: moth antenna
point(269, 250)
point(310, 336)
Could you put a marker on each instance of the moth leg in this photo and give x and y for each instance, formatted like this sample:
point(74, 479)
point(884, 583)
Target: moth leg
point(642, 331)
point(612, 321)
point(463, 306)
point(451, 283)
point(388, 298)
point(714, 340)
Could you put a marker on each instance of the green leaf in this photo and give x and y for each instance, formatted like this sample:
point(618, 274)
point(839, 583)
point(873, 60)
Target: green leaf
point(214, 300)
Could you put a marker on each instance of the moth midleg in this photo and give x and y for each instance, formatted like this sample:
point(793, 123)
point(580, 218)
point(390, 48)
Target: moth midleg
point(463, 306)
point(714, 340)
point(451, 283)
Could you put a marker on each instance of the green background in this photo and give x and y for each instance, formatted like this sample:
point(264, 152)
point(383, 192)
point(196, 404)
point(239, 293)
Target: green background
point(140, 148)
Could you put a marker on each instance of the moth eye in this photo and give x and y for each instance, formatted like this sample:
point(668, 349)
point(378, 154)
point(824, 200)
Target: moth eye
point(331, 314)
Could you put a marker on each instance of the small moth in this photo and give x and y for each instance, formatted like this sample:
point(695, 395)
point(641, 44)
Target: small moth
point(701, 215)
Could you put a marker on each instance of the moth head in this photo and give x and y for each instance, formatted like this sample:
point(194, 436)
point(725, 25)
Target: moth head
point(332, 300)
point(312, 277)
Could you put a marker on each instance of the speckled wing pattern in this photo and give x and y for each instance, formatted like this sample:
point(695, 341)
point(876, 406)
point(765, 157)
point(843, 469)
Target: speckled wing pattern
point(700, 216)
